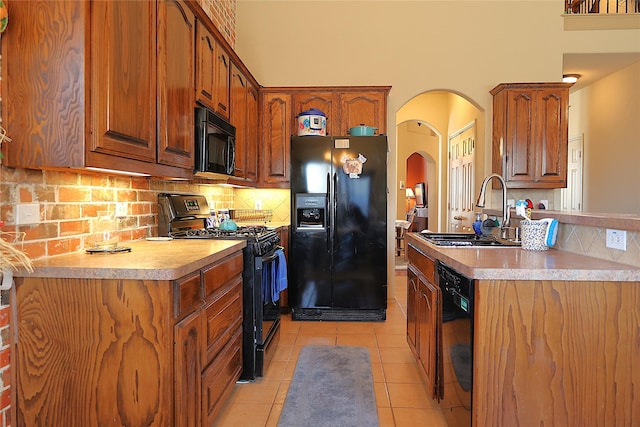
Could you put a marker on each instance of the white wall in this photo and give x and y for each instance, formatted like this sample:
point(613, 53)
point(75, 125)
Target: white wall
point(607, 113)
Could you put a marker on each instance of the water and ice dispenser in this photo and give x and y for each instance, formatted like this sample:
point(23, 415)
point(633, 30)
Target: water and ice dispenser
point(311, 211)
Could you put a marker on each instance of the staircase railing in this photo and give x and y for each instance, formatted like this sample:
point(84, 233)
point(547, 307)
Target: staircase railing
point(602, 6)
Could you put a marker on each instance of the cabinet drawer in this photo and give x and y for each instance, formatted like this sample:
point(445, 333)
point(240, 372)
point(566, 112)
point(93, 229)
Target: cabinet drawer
point(187, 294)
point(223, 317)
point(218, 378)
point(422, 262)
point(220, 273)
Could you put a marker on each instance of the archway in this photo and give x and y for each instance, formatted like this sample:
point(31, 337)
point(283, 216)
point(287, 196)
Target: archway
point(424, 124)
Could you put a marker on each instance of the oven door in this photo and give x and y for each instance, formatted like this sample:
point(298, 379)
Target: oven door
point(267, 307)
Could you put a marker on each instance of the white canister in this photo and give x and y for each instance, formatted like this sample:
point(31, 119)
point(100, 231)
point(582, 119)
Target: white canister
point(312, 122)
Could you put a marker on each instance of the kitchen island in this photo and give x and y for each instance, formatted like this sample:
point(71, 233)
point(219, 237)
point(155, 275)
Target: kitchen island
point(556, 336)
point(148, 337)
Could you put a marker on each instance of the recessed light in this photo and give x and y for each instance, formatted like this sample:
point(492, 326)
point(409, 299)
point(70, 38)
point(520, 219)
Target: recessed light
point(570, 78)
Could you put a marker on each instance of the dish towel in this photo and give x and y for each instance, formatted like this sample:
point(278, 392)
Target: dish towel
point(274, 277)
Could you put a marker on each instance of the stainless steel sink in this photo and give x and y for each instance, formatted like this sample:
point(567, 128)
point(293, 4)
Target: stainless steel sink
point(466, 239)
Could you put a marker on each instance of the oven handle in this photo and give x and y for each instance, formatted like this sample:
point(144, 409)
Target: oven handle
point(268, 258)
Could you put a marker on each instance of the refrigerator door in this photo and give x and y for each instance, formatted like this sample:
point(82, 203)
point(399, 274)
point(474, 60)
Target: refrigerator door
point(359, 218)
point(309, 248)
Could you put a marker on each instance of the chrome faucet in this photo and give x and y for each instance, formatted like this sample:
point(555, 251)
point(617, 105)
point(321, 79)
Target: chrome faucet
point(506, 214)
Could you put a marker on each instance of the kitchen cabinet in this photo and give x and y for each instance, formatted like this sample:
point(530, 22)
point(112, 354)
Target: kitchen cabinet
point(128, 351)
point(530, 134)
point(244, 116)
point(276, 127)
point(94, 99)
point(176, 58)
point(344, 106)
point(423, 316)
point(213, 70)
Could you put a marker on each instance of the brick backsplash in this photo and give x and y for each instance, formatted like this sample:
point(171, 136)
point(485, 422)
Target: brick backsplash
point(77, 208)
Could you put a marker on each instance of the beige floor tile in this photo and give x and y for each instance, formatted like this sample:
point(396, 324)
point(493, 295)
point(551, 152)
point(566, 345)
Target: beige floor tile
point(281, 395)
point(243, 415)
point(396, 355)
point(377, 372)
point(288, 339)
point(382, 396)
point(401, 373)
point(274, 415)
point(275, 370)
point(405, 395)
point(283, 352)
point(360, 328)
point(261, 391)
point(385, 417)
point(392, 340)
point(418, 417)
point(357, 340)
point(318, 328)
point(315, 339)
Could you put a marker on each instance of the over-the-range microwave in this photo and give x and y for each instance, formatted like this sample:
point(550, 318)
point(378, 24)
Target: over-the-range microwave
point(215, 147)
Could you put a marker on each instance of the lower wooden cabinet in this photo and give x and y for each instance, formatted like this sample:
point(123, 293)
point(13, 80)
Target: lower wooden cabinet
point(424, 316)
point(98, 352)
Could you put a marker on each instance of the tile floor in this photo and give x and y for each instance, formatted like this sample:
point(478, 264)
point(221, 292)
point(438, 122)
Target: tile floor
point(400, 393)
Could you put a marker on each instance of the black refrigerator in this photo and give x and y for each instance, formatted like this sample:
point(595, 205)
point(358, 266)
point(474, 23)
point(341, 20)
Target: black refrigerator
point(337, 265)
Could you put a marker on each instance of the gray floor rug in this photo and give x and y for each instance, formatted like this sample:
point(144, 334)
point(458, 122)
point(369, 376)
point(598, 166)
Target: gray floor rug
point(331, 386)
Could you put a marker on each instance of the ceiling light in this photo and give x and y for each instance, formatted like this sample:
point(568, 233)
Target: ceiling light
point(570, 78)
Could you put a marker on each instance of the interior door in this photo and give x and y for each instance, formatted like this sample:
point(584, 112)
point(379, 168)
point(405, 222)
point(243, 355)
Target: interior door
point(461, 179)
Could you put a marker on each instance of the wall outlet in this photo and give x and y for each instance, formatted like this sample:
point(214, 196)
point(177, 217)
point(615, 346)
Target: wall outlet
point(545, 203)
point(617, 239)
point(257, 205)
point(121, 209)
point(27, 213)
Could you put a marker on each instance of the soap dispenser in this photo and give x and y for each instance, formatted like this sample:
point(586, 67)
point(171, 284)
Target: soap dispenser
point(477, 224)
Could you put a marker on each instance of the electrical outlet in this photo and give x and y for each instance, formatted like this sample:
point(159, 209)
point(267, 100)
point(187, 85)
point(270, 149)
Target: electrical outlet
point(545, 203)
point(617, 239)
point(121, 209)
point(27, 213)
point(257, 204)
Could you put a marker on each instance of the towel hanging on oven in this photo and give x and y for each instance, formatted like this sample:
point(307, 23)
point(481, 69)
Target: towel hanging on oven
point(274, 277)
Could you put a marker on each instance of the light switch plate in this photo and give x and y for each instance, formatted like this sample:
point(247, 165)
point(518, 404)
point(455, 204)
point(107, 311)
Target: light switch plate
point(27, 213)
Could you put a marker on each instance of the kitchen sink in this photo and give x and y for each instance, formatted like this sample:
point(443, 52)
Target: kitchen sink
point(466, 239)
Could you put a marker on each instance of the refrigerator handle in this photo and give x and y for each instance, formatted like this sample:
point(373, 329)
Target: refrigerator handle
point(334, 204)
point(329, 219)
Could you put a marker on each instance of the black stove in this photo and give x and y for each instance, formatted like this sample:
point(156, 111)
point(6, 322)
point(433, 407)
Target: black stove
point(184, 216)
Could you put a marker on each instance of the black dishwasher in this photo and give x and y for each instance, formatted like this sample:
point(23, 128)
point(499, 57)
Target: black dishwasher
point(456, 382)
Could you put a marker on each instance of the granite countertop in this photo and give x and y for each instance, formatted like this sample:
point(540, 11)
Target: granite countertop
point(148, 260)
point(493, 263)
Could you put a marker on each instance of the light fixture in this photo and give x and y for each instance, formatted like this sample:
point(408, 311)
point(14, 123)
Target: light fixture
point(409, 194)
point(570, 78)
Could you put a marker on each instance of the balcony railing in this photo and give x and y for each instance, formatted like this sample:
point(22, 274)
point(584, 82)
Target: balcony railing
point(602, 6)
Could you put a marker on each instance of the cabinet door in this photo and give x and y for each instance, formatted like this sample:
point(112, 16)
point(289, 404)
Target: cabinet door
point(176, 44)
point(188, 367)
point(239, 118)
point(412, 301)
point(367, 108)
point(205, 59)
point(327, 102)
point(519, 144)
point(426, 318)
point(252, 134)
point(123, 79)
point(276, 139)
point(553, 134)
point(221, 81)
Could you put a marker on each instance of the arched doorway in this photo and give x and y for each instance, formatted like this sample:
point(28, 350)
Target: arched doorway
point(424, 125)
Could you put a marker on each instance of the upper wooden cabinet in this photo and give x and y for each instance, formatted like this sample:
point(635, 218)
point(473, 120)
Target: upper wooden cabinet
point(244, 116)
point(213, 71)
point(176, 57)
point(94, 98)
point(344, 106)
point(530, 134)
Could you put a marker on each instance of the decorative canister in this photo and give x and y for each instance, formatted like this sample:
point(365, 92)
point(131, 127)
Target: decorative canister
point(539, 235)
point(312, 122)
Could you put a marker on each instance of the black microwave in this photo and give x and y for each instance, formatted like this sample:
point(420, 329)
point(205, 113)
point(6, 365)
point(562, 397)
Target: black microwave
point(215, 147)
